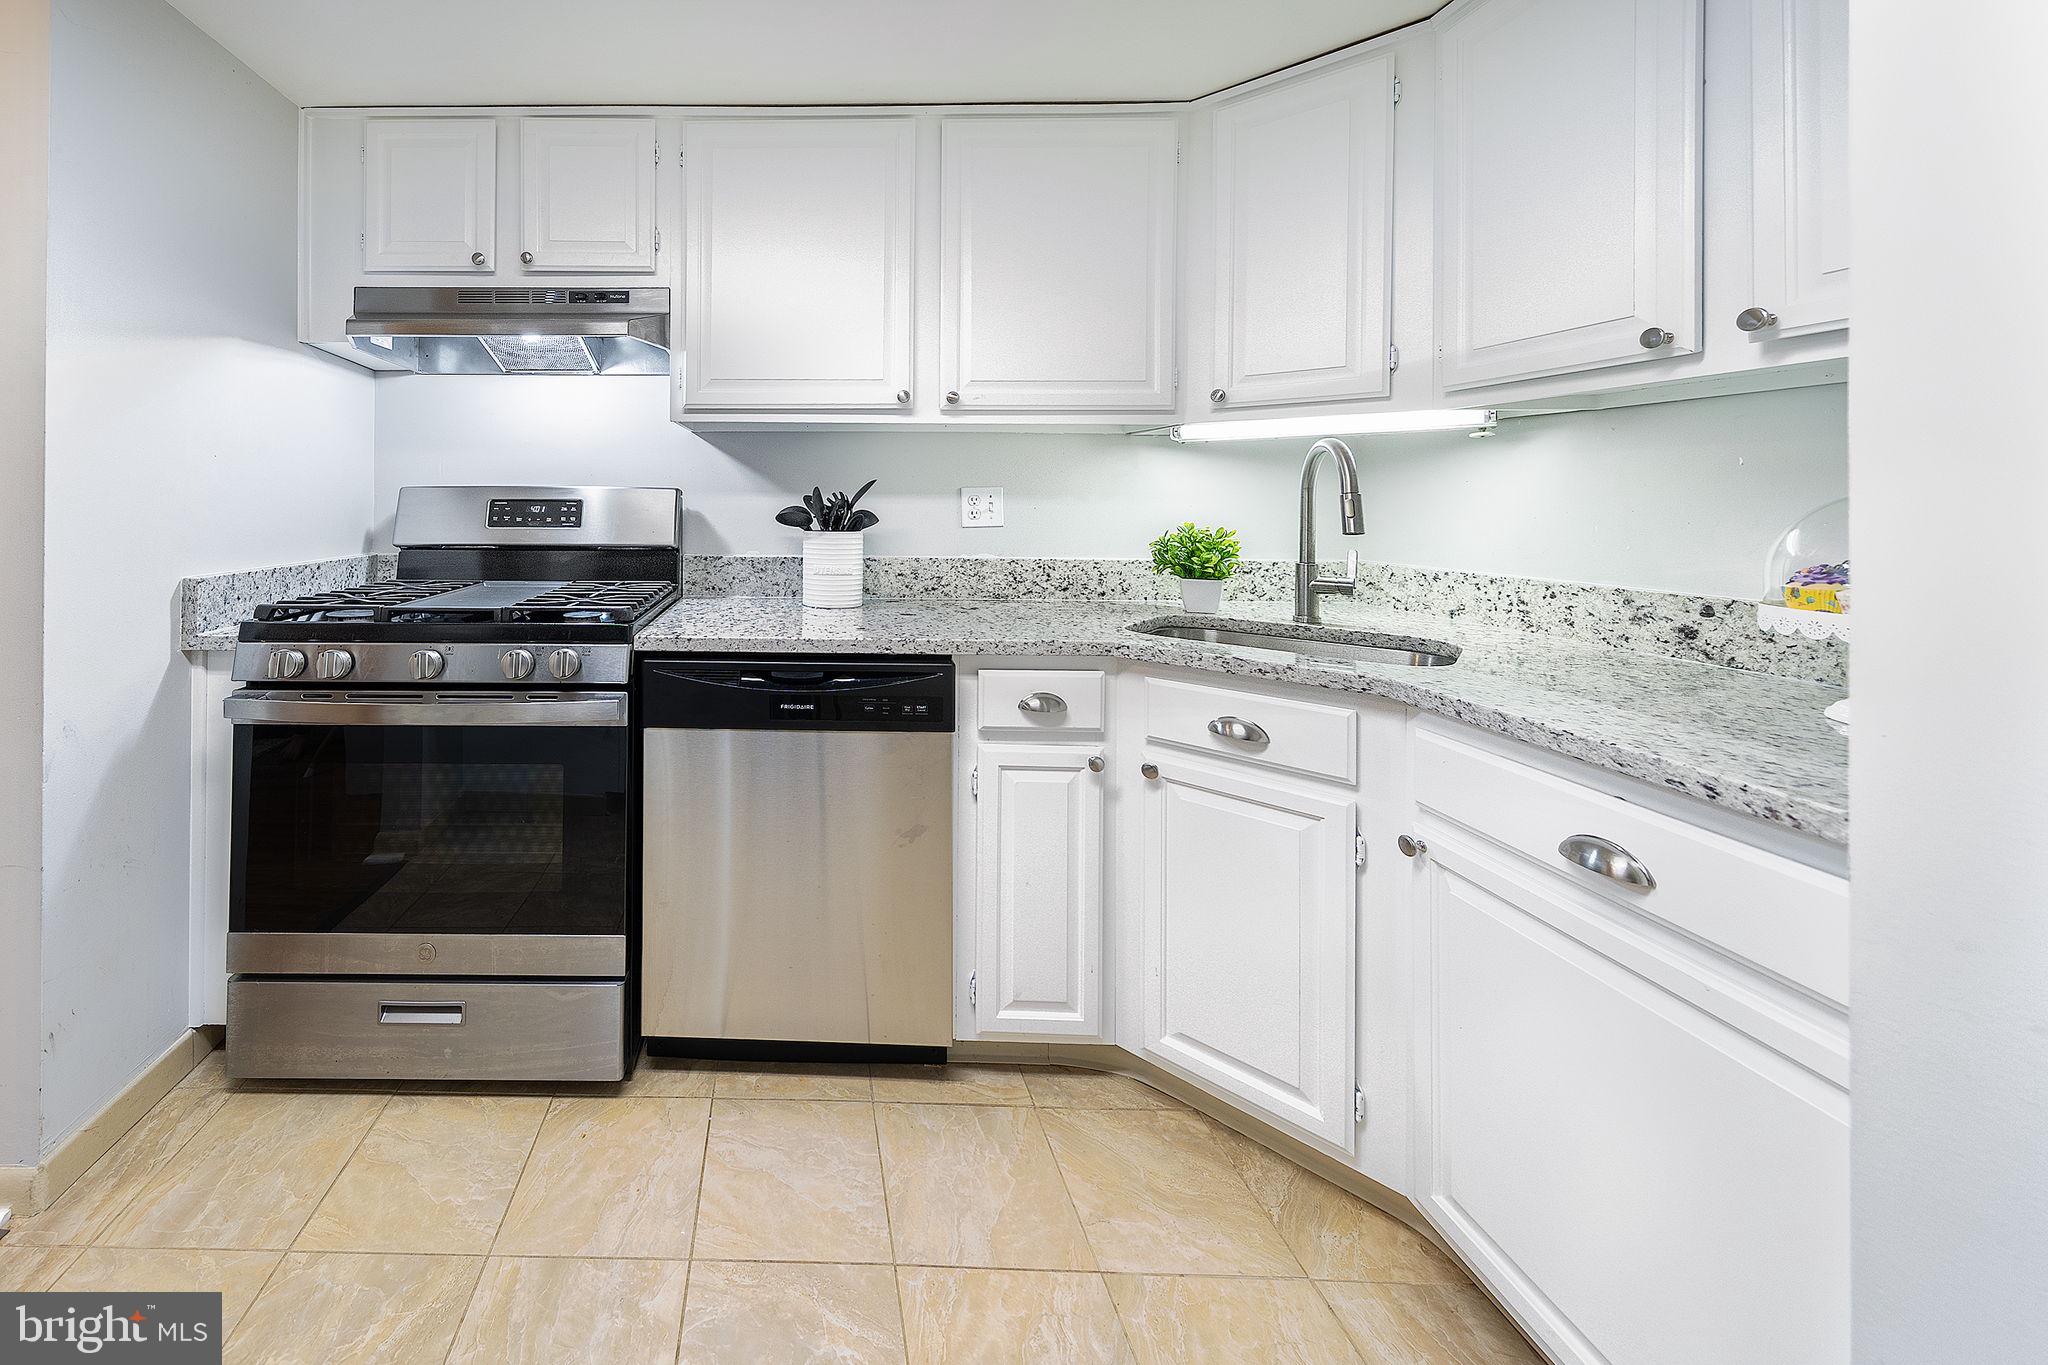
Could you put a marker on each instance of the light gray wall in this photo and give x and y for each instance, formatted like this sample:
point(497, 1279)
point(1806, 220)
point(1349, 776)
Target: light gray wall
point(188, 433)
point(1947, 757)
point(24, 167)
point(1685, 497)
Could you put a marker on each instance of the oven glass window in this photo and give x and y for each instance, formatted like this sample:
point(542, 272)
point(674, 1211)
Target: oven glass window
point(430, 830)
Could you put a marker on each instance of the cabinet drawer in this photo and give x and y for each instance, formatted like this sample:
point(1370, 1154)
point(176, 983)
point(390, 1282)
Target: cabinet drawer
point(1278, 732)
point(1777, 914)
point(1039, 700)
point(419, 1029)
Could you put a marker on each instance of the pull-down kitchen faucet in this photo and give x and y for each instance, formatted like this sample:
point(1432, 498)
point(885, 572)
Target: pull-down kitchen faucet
point(1309, 589)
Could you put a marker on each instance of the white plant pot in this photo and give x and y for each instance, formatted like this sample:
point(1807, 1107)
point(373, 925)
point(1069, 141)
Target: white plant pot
point(1203, 596)
point(833, 564)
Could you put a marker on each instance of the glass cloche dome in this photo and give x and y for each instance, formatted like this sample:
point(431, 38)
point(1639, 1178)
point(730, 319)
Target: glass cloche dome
point(1808, 569)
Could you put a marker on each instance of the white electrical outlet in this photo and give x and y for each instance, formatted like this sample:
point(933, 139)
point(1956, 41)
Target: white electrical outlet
point(981, 507)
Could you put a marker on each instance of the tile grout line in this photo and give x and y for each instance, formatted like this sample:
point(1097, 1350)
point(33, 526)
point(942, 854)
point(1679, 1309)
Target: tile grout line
point(1101, 1276)
point(888, 1219)
point(144, 1185)
point(696, 1219)
point(285, 1254)
point(484, 1262)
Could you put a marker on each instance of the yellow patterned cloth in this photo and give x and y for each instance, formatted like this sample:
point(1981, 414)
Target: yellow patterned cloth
point(1815, 597)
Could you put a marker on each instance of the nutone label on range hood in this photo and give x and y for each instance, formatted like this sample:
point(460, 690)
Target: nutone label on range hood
point(515, 331)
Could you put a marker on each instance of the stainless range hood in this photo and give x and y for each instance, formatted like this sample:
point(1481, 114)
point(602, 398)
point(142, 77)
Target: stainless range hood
point(514, 331)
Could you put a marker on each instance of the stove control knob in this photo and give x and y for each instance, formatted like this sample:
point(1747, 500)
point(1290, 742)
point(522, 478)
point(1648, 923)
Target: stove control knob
point(428, 664)
point(516, 664)
point(334, 664)
point(284, 663)
point(565, 664)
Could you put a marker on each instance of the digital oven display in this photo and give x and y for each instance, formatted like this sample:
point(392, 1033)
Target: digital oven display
point(538, 512)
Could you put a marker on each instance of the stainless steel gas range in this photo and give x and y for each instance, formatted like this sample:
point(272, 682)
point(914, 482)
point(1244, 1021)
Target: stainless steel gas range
point(434, 870)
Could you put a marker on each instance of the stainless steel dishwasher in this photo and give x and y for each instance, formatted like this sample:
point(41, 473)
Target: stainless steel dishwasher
point(797, 855)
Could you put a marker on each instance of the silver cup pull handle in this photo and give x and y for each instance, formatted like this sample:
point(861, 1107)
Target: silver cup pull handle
point(1607, 858)
point(1244, 731)
point(1042, 704)
point(419, 1011)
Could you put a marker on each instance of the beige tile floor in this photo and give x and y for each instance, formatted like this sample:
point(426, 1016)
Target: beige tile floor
point(711, 1213)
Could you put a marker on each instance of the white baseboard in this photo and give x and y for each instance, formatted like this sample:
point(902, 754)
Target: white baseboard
point(91, 1140)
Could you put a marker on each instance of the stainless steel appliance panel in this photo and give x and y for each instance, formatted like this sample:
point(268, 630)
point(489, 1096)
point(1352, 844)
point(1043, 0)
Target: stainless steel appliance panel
point(427, 954)
point(444, 515)
point(798, 885)
point(419, 1029)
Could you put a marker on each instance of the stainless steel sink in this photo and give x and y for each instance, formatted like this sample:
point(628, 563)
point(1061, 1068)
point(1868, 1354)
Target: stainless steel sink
point(1328, 646)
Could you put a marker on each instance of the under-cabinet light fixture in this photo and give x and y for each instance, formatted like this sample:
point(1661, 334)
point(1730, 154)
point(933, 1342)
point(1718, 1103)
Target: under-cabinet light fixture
point(1337, 424)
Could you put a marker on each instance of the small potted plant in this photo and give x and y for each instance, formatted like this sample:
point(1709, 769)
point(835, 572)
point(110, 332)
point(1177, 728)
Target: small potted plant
point(1201, 557)
point(835, 545)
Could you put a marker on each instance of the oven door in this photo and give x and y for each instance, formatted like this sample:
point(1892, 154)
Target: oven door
point(430, 834)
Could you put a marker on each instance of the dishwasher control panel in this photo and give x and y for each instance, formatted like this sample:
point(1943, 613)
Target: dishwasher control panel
point(914, 694)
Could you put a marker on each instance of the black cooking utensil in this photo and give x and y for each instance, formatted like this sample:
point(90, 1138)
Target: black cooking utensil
point(799, 517)
point(861, 520)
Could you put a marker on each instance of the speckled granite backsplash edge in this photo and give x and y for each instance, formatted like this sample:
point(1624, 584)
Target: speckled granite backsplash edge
point(220, 602)
point(1713, 630)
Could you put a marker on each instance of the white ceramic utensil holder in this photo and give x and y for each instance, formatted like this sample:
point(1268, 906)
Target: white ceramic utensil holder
point(833, 564)
point(1202, 596)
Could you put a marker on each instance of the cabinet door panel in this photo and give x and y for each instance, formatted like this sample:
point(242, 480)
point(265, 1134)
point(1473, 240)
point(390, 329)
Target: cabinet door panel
point(1038, 857)
point(1249, 940)
point(586, 189)
point(1799, 92)
point(430, 199)
point(798, 292)
point(1567, 185)
point(1056, 263)
point(1645, 1182)
point(1302, 197)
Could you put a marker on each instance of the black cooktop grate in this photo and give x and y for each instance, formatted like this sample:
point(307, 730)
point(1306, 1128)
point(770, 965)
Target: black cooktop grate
point(455, 601)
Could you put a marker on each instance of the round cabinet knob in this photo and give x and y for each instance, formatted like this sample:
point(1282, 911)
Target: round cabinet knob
point(1217, 395)
point(903, 395)
point(428, 664)
point(1410, 846)
point(476, 258)
point(1755, 319)
point(952, 395)
point(284, 663)
point(526, 258)
point(516, 664)
point(1150, 770)
point(1095, 764)
point(1653, 337)
point(333, 664)
point(564, 664)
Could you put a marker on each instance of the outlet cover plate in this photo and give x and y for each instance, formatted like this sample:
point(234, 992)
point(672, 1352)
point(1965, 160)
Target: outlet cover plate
point(981, 507)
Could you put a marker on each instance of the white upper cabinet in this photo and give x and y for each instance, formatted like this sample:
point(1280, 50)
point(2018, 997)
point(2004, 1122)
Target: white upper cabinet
point(1248, 941)
point(1056, 263)
point(430, 194)
point(1799, 95)
point(1038, 894)
point(798, 263)
point(586, 195)
point(1568, 170)
point(1303, 191)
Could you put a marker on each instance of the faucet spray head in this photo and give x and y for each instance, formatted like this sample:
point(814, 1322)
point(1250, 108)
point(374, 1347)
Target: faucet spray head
point(1348, 507)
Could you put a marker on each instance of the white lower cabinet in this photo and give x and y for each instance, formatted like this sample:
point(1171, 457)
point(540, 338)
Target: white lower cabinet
point(1247, 980)
point(1638, 1179)
point(1038, 834)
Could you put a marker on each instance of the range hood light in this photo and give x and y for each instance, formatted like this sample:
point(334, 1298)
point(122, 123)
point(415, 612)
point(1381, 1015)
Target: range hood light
point(1337, 424)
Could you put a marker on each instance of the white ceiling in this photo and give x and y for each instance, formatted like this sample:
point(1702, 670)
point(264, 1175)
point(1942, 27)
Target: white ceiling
point(326, 52)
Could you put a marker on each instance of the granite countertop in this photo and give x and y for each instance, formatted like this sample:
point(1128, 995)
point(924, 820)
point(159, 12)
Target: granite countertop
point(1746, 742)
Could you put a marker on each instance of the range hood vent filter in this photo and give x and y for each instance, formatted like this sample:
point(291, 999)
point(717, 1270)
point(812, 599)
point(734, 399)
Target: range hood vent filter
point(589, 331)
point(540, 355)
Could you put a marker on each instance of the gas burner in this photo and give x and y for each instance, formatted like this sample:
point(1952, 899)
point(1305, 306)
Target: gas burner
point(369, 602)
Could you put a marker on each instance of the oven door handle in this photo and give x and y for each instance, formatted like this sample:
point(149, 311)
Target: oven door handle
point(250, 707)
